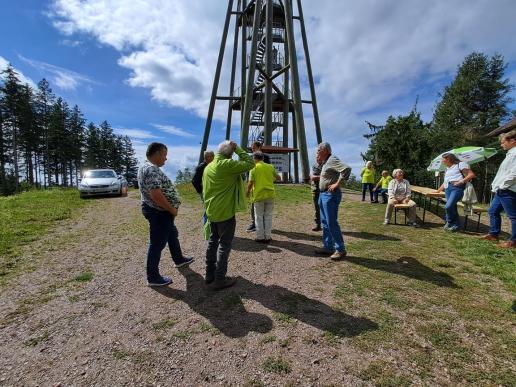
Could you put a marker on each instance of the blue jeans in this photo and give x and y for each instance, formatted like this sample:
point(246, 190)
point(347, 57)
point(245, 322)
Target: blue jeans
point(332, 235)
point(453, 196)
point(162, 231)
point(504, 200)
point(381, 191)
point(365, 187)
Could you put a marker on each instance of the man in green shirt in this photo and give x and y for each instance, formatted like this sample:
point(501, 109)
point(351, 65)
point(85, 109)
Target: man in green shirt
point(261, 186)
point(224, 195)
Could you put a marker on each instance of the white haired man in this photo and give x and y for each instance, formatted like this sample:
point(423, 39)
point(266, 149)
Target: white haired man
point(333, 172)
point(224, 194)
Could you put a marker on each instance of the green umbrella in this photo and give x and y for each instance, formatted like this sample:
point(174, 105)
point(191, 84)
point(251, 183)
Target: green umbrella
point(468, 154)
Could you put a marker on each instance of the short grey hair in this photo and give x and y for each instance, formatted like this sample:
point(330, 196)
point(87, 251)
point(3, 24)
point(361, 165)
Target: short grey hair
point(396, 171)
point(258, 156)
point(225, 149)
point(369, 163)
point(208, 153)
point(324, 145)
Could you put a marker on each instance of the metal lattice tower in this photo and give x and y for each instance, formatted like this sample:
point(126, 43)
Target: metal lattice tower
point(269, 95)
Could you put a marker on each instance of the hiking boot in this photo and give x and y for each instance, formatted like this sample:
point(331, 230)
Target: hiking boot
point(163, 281)
point(224, 283)
point(489, 237)
point(337, 255)
point(323, 252)
point(209, 279)
point(507, 245)
point(251, 228)
point(316, 228)
point(183, 262)
point(261, 240)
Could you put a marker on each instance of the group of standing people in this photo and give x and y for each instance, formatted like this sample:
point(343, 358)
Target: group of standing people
point(220, 184)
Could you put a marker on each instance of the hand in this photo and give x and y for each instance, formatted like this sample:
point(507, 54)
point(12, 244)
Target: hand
point(406, 200)
point(173, 211)
point(333, 187)
point(233, 145)
point(459, 183)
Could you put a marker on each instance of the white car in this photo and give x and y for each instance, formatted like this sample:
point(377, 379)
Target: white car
point(100, 182)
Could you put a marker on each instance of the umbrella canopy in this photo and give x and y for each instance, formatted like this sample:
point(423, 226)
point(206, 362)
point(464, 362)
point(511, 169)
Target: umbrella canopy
point(468, 154)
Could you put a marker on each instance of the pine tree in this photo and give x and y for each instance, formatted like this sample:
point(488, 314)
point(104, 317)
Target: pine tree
point(130, 162)
point(44, 100)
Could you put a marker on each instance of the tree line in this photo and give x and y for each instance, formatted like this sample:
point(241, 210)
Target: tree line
point(44, 142)
point(476, 102)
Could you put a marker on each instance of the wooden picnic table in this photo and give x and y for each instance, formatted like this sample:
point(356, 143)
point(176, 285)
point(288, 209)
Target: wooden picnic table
point(431, 194)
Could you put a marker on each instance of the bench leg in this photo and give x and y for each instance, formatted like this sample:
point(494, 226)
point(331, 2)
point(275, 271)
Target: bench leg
point(478, 222)
point(465, 222)
point(405, 212)
point(424, 210)
point(395, 215)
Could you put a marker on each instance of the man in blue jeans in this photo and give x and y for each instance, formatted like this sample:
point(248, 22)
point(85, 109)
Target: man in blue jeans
point(333, 172)
point(160, 203)
point(504, 188)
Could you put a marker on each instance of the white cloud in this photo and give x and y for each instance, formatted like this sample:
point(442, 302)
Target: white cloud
point(135, 133)
point(23, 79)
point(63, 78)
point(368, 57)
point(170, 129)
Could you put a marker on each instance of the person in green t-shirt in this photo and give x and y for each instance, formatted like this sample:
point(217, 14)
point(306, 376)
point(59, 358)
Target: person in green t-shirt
point(367, 175)
point(382, 187)
point(260, 189)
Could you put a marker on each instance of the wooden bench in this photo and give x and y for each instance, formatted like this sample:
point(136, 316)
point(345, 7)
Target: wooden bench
point(475, 210)
point(398, 207)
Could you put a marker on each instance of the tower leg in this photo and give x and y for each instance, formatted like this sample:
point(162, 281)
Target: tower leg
point(233, 74)
point(216, 82)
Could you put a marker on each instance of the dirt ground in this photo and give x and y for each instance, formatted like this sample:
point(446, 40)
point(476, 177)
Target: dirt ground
point(84, 315)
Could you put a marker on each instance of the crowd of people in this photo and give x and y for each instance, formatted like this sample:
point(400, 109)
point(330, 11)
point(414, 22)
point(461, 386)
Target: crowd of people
point(219, 181)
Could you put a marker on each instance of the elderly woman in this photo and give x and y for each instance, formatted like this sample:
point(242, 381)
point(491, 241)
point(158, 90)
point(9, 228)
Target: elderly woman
point(399, 192)
point(458, 173)
point(367, 175)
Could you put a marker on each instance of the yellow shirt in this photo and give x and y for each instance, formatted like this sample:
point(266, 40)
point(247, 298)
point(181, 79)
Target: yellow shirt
point(384, 181)
point(367, 175)
point(263, 176)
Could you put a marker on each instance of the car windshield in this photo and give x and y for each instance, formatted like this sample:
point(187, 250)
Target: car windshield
point(101, 174)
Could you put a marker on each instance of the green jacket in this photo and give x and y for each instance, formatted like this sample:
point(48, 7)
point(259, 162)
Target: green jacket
point(223, 187)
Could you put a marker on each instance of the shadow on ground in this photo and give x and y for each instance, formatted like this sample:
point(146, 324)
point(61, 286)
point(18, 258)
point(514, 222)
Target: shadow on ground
point(226, 311)
point(408, 267)
point(249, 245)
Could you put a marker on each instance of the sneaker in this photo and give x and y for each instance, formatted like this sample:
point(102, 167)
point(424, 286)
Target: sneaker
point(338, 255)
point(251, 228)
point(446, 227)
point(453, 229)
point(386, 222)
point(227, 282)
point(316, 228)
point(414, 224)
point(164, 281)
point(323, 252)
point(261, 240)
point(184, 261)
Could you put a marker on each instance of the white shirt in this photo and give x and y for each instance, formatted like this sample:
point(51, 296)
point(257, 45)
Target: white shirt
point(399, 190)
point(454, 173)
point(506, 176)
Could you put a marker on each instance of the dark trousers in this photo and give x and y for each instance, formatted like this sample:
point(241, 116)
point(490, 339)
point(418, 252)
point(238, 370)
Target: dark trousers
point(317, 213)
point(381, 191)
point(162, 231)
point(252, 215)
point(365, 187)
point(504, 200)
point(219, 247)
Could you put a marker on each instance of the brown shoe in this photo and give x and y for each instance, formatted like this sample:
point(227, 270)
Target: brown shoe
point(489, 237)
point(507, 244)
point(323, 252)
point(316, 228)
point(337, 255)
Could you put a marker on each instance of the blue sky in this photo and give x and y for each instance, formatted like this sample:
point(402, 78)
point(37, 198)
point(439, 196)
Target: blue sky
point(147, 66)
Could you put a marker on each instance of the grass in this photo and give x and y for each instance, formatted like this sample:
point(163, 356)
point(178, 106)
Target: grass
point(84, 277)
point(164, 324)
point(28, 216)
point(277, 365)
